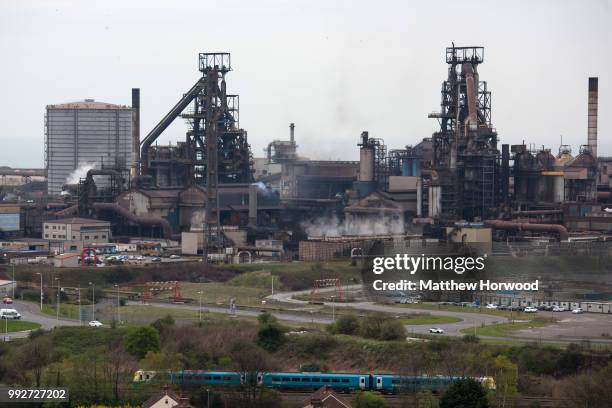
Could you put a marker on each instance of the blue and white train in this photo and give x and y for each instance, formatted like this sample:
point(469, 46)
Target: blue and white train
point(386, 383)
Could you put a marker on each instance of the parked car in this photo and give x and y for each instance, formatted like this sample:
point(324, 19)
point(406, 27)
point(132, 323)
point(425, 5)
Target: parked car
point(95, 323)
point(530, 309)
point(558, 309)
point(9, 314)
point(175, 257)
point(578, 310)
point(491, 306)
point(7, 300)
point(436, 330)
point(156, 259)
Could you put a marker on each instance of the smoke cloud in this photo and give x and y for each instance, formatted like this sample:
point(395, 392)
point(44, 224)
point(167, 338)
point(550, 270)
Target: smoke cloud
point(373, 225)
point(197, 220)
point(79, 172)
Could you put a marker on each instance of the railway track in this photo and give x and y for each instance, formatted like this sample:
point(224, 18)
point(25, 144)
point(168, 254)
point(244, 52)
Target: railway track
point(407, 400)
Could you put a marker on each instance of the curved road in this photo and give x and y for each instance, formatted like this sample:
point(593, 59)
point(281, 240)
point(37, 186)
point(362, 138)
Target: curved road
point(450, 329)
point(30, 312)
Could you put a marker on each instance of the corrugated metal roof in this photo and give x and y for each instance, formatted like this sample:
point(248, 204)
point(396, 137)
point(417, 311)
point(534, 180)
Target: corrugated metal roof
point(87, 104)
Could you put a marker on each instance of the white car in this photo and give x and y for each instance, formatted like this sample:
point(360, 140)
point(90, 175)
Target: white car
point(436, 330)
point(578, 310)
point(491, 306)
point(558, 309)
point(95, 323)
point(530, 309)
point(175, 257)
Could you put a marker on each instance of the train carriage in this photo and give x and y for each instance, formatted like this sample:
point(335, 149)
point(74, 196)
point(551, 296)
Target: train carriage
point(310, 381)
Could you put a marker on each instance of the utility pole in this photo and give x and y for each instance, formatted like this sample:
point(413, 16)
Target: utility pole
point(58, 299)
point(272, 284)
point(200, 309)
point(14, 282)
point(41, 289)
point(93, 301)
point(118, 304)
point(80, 314)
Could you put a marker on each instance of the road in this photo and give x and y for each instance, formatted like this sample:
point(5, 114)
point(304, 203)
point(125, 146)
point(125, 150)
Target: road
point(30, 312)
point(450, 329)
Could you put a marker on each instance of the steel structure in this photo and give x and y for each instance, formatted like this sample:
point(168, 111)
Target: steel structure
point(215, 151)
point(465, 147)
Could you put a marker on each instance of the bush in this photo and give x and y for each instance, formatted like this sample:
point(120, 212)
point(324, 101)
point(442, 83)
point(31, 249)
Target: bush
point(348, 324)
point(161, 324)
point(142, 340)
point(368, 399)
point(392, 330)
point(466, 393)
point(308, 345)
point(271, 334)
point(381, 327)
point(471, 338)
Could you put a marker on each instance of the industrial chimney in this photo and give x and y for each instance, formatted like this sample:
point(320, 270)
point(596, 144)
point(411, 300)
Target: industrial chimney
point(135, 132)
point(592, 131)
point(292, 133)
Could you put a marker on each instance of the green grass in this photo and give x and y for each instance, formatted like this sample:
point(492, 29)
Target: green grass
point(220, 293)
point(429, 319)
point(506, 329)
point(67, 310)
point(17, 325)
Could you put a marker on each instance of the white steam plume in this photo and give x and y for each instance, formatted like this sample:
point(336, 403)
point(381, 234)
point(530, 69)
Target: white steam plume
point(79, 172)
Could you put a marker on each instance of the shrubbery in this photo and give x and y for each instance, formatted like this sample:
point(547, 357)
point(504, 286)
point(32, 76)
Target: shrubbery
point(376, 326)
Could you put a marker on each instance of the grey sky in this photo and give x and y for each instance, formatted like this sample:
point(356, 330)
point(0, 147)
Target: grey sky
point(334, 68)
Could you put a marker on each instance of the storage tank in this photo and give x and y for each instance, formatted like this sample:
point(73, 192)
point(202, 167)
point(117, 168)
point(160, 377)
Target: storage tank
point(83, 135)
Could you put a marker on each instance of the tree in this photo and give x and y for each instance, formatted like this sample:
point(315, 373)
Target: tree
point(141, 340)
point(35, 356)
point(163, 360)
point(164, 323)
point(506, 379)
point(348, 324)
point(392, 329)
point(270, 335)
point(464, 393)
point(368, 399)
point(250, 359)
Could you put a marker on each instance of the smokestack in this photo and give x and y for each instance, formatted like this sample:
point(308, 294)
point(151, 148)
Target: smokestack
point(135, 132)
point(592, 131)
point(292, 133)
point(253, 205)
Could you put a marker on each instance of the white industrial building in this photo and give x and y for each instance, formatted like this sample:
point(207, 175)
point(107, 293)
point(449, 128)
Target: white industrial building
point(83, 135)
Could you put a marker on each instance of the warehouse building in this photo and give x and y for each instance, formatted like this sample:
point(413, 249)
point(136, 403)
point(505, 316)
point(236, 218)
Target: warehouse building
point(72, 234)
point(85, 135)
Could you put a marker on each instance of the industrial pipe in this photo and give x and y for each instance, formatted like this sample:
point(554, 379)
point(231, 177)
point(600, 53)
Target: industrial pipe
point(604, 195)
point(468, 71)
point(522, 226)
point(125, 213)
point(166, 121)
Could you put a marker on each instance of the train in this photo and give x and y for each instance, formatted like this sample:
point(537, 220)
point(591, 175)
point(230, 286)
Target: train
point(307, 381)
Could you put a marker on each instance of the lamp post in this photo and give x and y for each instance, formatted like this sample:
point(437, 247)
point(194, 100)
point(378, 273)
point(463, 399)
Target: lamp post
point(118, 304)
point(200, 309)
point(58, 300)
point(333, 298)
point(14, 282)
point(41, 290)
point(93, 301)
point(272, 276)
point(79, 300)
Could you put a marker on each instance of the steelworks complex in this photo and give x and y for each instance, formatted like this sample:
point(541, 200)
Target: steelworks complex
point(207, 195)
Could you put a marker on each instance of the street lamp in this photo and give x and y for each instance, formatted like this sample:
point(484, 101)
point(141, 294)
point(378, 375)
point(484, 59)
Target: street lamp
point(80, 314)
point(118, 304)
point(333, 298)
point(58, 299)
point(93, 301)
point(200, 309)
point(41, 290)
point(14, 282)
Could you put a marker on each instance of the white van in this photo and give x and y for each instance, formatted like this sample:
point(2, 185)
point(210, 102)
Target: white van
point(9, 314)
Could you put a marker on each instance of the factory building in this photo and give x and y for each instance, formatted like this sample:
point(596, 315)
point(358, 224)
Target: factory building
point(72, 234)
point(85, 135)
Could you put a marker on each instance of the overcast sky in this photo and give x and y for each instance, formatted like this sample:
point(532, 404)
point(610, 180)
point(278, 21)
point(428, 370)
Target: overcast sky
point(334, 68)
